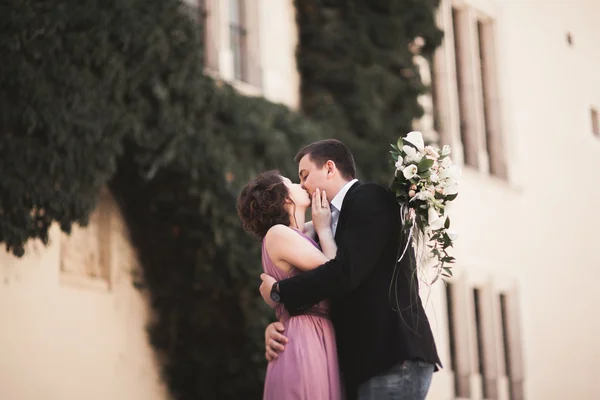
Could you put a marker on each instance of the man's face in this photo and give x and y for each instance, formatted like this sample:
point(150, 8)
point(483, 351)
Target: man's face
point(312, 177)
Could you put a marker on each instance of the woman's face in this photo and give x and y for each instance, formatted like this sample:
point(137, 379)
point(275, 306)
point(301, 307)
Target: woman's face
point(298, 195)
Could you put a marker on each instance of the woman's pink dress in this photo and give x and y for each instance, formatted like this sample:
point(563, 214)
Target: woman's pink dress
point(308, 367)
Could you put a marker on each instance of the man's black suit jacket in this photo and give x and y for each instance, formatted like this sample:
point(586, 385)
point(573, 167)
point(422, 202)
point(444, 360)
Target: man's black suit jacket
point(372, 335)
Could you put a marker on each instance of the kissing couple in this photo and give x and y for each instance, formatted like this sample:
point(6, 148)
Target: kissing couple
point(338, 334)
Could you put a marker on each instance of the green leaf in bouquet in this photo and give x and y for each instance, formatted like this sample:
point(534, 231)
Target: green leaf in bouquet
point(395, 147)
point(400, 143)
point(425, 174)
point(425, 164)
point(448, 271)
point(448, 259)
point(394, 155)
point(448, 243)
point(451, 197)
point(447, 223)
point(401, 179)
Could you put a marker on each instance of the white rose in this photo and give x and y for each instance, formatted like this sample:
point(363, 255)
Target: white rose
point(424, 195)
point(399, 165)
point(412, 154)
point(453, 173)
point(410, 171)
point(451, 189)
point(416, 138)
point(431, 153)
point(434, 178)
point(446, 162)
point(445, 150)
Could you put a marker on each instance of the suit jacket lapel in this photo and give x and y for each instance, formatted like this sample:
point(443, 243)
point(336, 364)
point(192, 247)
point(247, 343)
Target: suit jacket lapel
point(343, 214)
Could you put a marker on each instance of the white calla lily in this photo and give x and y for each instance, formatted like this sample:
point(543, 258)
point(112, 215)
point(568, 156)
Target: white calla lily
point(416, 138)
point(410, 171)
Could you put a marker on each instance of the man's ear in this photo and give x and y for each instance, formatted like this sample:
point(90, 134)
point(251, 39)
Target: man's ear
point(330, 165)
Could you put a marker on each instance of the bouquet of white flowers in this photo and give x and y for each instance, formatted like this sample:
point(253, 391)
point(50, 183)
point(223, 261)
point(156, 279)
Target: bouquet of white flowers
point(425, 180)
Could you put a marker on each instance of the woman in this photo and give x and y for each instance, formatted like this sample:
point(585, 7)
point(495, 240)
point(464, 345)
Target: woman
point(273, 208)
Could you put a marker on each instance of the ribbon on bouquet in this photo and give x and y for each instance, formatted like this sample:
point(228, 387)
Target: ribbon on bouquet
point(404, 214)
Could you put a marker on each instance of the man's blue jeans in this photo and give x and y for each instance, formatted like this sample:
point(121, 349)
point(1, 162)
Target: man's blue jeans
point(409, 380)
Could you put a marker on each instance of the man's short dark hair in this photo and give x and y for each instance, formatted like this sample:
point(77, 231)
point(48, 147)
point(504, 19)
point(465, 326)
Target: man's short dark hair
point(330, 149)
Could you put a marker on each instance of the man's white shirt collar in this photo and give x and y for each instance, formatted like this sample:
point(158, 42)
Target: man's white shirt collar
point(338, 200)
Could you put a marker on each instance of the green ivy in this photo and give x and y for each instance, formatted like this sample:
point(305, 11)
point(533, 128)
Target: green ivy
point(114, 92)
point(358, 75)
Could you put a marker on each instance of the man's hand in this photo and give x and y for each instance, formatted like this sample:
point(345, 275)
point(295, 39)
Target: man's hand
point(274, 340)
point(265, 289)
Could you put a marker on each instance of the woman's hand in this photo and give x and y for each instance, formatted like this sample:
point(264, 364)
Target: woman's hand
point(321, 213)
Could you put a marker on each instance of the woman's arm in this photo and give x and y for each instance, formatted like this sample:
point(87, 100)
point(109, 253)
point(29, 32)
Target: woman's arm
point(284, 244)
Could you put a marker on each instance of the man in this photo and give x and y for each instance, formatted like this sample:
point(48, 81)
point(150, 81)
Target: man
point(385, 345)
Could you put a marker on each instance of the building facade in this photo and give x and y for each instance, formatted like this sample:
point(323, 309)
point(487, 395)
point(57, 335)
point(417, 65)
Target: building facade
point(515, 91)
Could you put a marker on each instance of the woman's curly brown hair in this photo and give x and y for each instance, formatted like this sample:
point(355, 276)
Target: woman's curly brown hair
point(261, 203)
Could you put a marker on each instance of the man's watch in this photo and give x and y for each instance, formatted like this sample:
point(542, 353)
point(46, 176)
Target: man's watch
point(275, 293)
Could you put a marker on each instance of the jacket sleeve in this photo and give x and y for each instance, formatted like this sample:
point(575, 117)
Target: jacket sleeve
point(372, 215)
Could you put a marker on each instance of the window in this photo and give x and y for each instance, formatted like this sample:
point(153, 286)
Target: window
point(490, 102)
point(464, 88)
point(511, 344)
point(458, 336)
point(466, 94)
point(238, 39)
point(479, 336)
point(484, 340)
point(485, 335)
point(200, 12)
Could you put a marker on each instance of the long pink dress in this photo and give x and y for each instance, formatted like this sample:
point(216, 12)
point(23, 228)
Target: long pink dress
point(308, 367)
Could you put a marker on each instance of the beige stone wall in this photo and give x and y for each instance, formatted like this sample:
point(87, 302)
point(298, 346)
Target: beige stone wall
point(73, 325)
point(529, 235)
